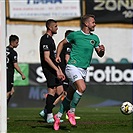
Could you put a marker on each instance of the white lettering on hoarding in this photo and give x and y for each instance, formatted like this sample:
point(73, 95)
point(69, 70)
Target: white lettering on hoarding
point(41, 78)
point(110, 74)
point(112, 5)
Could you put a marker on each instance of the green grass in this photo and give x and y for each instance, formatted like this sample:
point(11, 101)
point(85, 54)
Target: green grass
point(93, 120)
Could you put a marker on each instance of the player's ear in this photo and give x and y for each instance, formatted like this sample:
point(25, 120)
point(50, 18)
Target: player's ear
point(49, 28)
point(85, 24)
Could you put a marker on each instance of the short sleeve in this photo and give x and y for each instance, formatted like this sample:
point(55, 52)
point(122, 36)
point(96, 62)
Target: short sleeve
point(70, 37)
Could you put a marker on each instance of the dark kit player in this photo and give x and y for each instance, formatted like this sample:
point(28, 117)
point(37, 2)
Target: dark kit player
point(50, 68)
point(12, 63)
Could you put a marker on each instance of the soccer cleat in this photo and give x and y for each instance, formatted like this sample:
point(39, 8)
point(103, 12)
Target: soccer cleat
point(42, 114)
point(71, 118)
point(76, 117)
point(51, 120)
point(56, 123)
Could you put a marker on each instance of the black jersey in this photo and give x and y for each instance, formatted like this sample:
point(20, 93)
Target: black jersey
point(47, 44)
point(66, 50)
point(11, 58)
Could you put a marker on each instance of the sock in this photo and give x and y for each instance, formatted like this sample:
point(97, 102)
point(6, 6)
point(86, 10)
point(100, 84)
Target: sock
point(76, 98)
point(59, 115)
point(65, 105)
point(49, 103)
point(49, 116)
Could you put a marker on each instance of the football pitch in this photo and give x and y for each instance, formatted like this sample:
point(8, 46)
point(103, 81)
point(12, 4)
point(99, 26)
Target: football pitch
point(93, 120)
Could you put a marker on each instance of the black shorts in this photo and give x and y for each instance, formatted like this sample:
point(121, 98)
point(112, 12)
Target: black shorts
point(65, 84)
point(10, 82)
point(52, 80)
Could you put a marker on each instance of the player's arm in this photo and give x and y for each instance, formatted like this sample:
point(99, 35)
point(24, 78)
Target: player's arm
point(67, 56)
point(16, 66)
point(47, 58)
point(100, 50)
point(59, 49)
point(63, 76)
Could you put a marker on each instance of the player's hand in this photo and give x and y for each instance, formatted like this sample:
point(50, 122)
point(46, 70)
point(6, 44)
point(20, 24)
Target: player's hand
point(102, 48)
point(60, 75)
point(58, 59)
point(23, 77)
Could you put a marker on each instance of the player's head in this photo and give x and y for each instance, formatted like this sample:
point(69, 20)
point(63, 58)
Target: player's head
point(68, 32)
point(13, 40)
point(51, 25)
point(88, 21)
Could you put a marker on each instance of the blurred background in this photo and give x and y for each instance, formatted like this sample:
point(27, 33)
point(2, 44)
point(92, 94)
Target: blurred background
point(109, 79)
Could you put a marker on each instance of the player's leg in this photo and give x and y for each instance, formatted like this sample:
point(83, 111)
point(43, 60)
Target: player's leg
point(10, 94)
point(49, 104)
point(64, 106)
point(52, 83)
point(58, 98)
point(66, 102)
point(71, 91)
point(10, 89)
point(78, 80)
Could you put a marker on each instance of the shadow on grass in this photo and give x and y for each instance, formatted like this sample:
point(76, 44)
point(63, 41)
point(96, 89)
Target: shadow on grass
point(41, 124)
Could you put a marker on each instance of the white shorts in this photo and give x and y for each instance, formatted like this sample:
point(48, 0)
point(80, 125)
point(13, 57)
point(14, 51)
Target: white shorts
point(74, 73)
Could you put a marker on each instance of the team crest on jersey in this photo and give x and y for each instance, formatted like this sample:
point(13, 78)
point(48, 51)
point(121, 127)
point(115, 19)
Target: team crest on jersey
point(92, 42)
point(45, 47)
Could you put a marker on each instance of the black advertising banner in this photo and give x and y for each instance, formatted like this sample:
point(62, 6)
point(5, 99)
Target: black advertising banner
point(110, 74)
point(111, 11)
point(36, 76)
point(97, 74)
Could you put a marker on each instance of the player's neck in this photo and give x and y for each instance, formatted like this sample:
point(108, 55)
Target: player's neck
point(49, 33)
point(11, 46)
point(86, 30)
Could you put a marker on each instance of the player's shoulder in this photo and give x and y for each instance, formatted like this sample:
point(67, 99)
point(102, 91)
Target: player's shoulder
point(46, 36)
point(7, 48)
point(77, 31)
point(94, 35)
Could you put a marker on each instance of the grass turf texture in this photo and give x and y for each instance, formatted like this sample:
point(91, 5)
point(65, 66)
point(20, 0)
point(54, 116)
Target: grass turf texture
point(93, 120)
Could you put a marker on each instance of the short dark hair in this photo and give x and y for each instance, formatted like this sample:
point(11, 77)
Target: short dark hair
point(68, 32)
point(49, 21)
point(13, 38)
